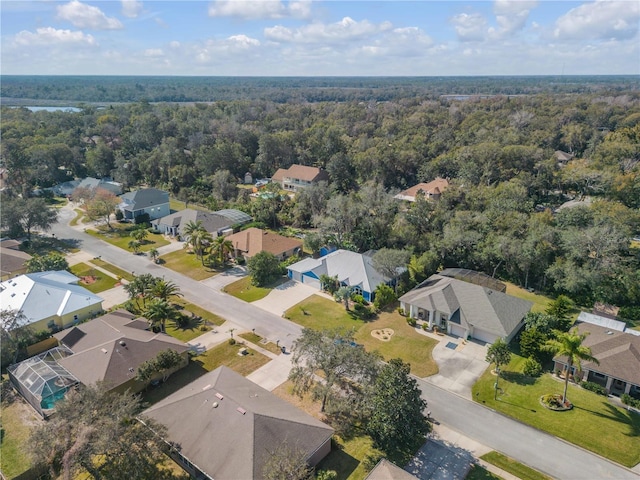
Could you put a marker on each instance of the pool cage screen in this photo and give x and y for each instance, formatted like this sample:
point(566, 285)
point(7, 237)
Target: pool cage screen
point(41, 380)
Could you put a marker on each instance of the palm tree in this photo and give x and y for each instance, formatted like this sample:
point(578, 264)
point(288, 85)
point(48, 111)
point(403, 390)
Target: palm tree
point(134, 245)
point(190, 228)
point(139, 234)
point(221, 247)
point(569, 344)
point(139, 287)
point(158, 311)
point(154, 254)
point(344, 294)
point(196, 236)
point(164, 290)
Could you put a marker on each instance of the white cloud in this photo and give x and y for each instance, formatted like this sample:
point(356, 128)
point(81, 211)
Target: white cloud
point(52, 36)
point(599, 20)
point(470, 27)
point(154, 52)
point(131, 8)
point(215, 49)
point(243, 41)
point(346, 29)
point(247, 9)
point(82, 15)
point(511, 17)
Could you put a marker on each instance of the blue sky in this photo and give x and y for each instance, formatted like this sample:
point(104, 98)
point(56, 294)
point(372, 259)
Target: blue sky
point(304, 37)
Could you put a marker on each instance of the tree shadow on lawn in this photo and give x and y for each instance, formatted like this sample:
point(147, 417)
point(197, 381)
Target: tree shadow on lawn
point(618, 415)
point(517, 378)
point(339, 460)
point(174, 383)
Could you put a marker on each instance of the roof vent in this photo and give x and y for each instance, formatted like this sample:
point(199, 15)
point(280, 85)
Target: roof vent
point(609, 332)
point(206, 387)
point(103, 350)
point(241, 410)
point(214, 405)
point(220, 396)
point(122, 343)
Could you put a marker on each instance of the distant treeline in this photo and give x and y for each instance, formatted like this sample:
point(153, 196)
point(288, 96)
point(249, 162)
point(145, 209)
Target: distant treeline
point(16, 89)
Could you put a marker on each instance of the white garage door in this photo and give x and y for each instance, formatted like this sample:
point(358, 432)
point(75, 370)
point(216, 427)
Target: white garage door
point(458, 331)
point(312, 282)
point(484, 336)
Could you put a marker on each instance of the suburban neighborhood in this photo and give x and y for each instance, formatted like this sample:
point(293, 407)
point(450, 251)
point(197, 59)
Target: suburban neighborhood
point(409, 288)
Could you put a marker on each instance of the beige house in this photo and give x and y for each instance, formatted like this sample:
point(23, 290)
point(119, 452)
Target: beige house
point(49, 299)
point(110, 349)
point(431, 190)
point(299, 176)
point(255, 240)
point(12, 259)
point(226, 427)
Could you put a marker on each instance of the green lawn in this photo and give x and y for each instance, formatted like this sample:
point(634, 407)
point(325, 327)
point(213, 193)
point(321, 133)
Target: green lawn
point(119, 237)
point(103, 281)
point(17, 420)
point(321, 313)
point(79, 216)
point(593, 423)
point(540, 302)
point(206, 315)
point(478, 472)
point(223, 354)
point(513, 467)
point(118, 272)
point(176, 205)
point(188, 264)
point(243, 289)
point(255, 338)
point(188, 332)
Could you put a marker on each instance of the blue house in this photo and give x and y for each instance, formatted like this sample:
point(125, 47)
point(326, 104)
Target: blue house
point(352, 269)
point(147, 200)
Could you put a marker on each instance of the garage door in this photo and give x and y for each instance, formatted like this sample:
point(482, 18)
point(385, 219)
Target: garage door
point(312, 282)
point(458, 331)
point(484, 336)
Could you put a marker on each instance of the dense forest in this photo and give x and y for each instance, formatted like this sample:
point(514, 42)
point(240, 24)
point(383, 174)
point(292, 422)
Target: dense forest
point(500, 214)
point(31, 90)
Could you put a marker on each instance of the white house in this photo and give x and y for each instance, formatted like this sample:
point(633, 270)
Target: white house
point(49, 299)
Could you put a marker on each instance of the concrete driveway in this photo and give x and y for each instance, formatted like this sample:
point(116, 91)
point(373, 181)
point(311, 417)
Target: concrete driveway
point(218, 282)
point(438, 460)
point(460, 364)
point(285, 296)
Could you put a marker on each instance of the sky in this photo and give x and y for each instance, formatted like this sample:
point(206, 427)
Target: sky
point(320, 38)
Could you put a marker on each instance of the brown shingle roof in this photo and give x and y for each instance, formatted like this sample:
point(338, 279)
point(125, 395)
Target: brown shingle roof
point(308, 174)
point(279, 175)
point(12, 260)
point(227, 425)
point(434, 187)
point(618, 352)
point(255, 240)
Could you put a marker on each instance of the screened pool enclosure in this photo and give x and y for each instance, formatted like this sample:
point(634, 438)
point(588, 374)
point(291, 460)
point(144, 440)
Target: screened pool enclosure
point(41, 380)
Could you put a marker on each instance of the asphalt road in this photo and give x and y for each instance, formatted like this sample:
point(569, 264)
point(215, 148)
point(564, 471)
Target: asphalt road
point(537, 449)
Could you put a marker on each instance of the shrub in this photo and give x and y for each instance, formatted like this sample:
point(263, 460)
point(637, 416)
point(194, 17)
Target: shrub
point(143, 219)
point(358, 299)
point(401, 311)
point(629, 400)
point(326, 475)
point(384, 296)
point(594, 387)
point(532, 367)
point(425, 326)
point(119, 214)
point(370, 461)
point(630, 313)
point(362, 312)
point(232, 341)
point(411, 321)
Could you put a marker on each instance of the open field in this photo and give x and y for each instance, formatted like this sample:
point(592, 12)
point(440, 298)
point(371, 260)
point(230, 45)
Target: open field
point(102, 280)
point(187, 263)
point(583, 425)
point(405, 343)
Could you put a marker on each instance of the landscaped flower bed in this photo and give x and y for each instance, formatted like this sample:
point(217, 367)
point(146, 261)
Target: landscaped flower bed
point(554, 402)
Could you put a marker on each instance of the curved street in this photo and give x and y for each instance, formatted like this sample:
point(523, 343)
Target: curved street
point(537, 449)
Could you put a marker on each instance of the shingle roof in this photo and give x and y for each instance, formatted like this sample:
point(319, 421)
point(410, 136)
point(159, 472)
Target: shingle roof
point(12, 260)
point(351, 268)
point(434, 187)
point(212, 222)
point(279, 175)
point(255, 240)
point(618, 352)
point(144, 198)
point(303, 172)
point(227, 425)
point(45, 294)
point(386, 470)
point(480, 307)
point(98, 354)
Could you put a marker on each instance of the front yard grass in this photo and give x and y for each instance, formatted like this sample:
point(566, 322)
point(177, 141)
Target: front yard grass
point(118, 272)
point(594, 423)
point(119, 237)
point(187, 332)
point(513, 467)
point(205, 315)
point(188, 264)
point(223, 354)
point(478, 472)
point(321, 313)
point(257, 339)
point(243, 289)
point(102, 280)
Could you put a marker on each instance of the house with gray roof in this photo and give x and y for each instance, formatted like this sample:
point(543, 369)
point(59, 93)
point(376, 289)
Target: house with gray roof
point(618, 354)
point(12, 259)
point(49, 299)
point(146, 200)
point(110, 349)
point(352, 269)
point(67, 188)
point(216, 223)
point(224, 426)
point(465, 309)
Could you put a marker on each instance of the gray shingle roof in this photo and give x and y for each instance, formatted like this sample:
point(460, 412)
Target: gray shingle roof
point(481, 307)
point(212, 222)
point(144, 198)
point(220, 439)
